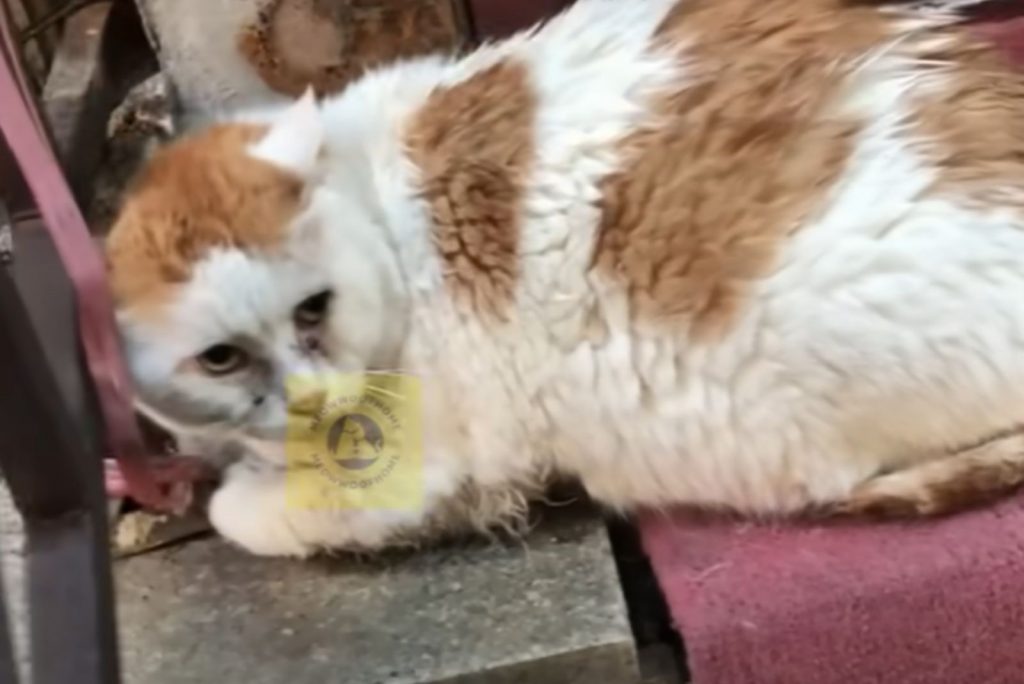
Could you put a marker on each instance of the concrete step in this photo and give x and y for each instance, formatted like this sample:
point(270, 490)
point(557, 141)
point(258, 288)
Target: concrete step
point(547, 611)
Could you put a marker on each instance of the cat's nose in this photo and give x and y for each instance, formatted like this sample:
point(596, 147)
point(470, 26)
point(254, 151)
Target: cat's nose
point(309, 343)
point(308, 403)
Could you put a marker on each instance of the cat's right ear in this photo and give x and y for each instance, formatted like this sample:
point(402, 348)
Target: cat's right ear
point(295, 138)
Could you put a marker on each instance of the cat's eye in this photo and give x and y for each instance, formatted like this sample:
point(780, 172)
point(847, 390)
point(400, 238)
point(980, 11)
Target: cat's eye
point(221, 359)
point(312, 310)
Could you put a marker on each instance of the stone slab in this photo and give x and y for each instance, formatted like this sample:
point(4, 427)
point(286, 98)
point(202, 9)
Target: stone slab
point(101, 52)
point(74, 99)
point(225, 54)
point(547, 611)
point(12, 581)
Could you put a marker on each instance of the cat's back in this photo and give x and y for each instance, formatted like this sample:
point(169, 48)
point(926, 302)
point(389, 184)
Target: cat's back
point(732, 219)
point(763, 125)
point(678, 150)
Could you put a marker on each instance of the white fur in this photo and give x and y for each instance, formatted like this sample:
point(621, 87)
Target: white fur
point(892, 327)
point(890, 331)
point(295, 139)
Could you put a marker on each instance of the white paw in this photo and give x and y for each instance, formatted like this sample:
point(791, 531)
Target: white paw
point(244, 517)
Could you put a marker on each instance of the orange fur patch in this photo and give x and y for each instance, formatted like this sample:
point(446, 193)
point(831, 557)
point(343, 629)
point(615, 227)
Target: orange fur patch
point(202, 192)
point(474, 143)
point(974, 128)
point(949, 483)
point(745, 151)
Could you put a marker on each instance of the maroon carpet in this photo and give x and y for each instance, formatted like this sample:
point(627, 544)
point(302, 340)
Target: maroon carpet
point(1003, 22)
point(938, 602)
point(928, 603)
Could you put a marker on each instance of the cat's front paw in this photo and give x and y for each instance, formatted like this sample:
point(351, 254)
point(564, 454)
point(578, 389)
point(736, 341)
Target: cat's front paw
point(239, 516)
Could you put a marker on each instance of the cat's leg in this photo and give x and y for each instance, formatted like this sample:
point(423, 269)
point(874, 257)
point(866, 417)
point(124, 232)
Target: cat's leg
point(947, 484)
point(251, 509)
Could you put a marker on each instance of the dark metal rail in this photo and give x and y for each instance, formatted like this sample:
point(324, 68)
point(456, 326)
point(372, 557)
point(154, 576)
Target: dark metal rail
point(50, 459)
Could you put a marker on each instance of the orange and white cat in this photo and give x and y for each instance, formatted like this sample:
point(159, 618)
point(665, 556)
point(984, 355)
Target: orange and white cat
point(761, 255)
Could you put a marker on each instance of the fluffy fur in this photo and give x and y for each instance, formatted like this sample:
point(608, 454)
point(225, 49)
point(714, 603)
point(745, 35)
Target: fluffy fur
point(761, 255)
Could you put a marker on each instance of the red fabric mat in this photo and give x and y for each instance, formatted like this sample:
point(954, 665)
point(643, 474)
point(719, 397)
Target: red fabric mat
point(940, 602)
point(1003, 22)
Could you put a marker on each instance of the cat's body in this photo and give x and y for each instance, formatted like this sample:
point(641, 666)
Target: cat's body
point(747, 254)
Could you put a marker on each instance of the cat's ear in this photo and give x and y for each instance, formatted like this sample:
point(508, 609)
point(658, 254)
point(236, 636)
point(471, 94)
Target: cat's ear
point(295, 138)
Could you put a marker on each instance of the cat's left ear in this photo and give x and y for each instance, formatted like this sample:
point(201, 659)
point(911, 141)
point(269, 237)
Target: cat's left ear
point(295, 138)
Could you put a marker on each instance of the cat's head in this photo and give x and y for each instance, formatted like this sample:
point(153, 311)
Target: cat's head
point(233, 267)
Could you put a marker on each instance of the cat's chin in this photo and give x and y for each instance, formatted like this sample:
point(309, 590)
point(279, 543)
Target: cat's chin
point(269, 447)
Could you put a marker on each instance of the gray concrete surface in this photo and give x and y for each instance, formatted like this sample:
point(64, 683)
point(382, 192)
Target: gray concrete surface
point(12, 579)
point(547, 612)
